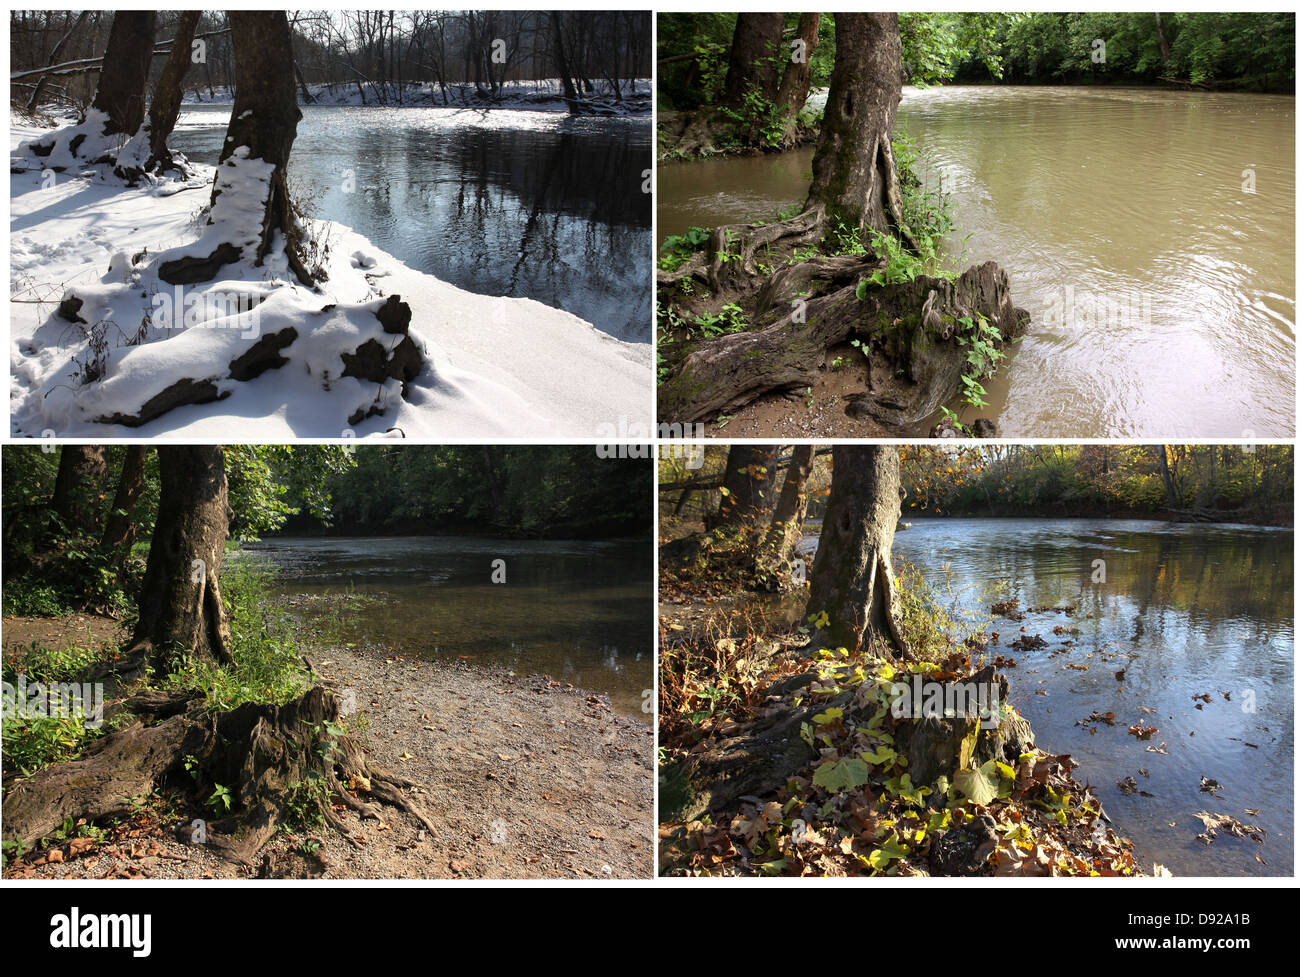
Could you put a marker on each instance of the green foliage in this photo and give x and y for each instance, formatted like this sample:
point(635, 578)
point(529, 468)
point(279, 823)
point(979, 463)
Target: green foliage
point(308, 799)
point(678, 247)
point(267, 666)
point(25, 597)
point(34, 742)
point(1253, 49)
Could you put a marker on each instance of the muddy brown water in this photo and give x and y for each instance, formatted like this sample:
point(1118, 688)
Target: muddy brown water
point(1162, 292)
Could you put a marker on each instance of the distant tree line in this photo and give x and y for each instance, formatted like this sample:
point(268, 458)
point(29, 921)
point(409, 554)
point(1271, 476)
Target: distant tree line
point(375, 52)
point(1244, 483)
point(1253, 50)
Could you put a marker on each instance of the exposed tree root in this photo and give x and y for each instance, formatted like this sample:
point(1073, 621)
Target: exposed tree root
point(913, 326)
point(263, 755)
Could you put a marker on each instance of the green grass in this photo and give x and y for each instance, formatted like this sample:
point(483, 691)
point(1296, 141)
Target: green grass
point(268, 668)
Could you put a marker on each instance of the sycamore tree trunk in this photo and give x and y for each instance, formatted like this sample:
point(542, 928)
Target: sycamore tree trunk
point(180, 601)
point(777, 548)
point(125, 72)
point(263, 124)
point(792, 93)
point(855, 183)
point(853, 576)
point(166, 104)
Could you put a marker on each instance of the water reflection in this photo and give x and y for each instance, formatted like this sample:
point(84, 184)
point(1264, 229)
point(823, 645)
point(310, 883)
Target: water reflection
point(529, 204)
point(1183, 611)
point(578, 611)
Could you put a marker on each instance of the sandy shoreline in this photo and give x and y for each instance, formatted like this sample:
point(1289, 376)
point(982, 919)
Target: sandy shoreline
point(524, 777)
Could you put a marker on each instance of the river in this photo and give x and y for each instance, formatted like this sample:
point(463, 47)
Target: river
point(1162, 292)
point(581, 612)
point(533, 204)
point(1185, 611)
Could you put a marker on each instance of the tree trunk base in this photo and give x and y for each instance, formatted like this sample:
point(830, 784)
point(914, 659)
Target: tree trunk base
point(262, 755)
point(800, 311)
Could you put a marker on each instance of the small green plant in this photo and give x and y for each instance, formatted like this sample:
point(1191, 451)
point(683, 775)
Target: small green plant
point(678, 247)
point(307, 802)
point(220, 800)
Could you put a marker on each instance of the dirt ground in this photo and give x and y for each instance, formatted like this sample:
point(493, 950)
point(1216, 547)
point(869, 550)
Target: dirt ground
point(85, 630)
point(821, 414)
point(524, 777)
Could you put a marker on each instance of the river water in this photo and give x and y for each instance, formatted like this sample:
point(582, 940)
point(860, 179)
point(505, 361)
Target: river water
point(578, 611)
point(1162, 292)
point(1185, 610)
point(537, 205)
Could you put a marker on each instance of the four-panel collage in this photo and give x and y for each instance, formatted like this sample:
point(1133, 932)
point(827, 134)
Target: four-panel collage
point(652, 448)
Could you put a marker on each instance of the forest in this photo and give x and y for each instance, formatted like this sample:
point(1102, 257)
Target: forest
point(802, 613)
point(141, 575)
point(1185, 483)
point(378, 54)
point(1235, 49)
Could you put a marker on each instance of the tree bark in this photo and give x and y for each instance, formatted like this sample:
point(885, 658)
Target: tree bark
point(82, 470)
point(180, 601)
point(792, 93)
point(748, 487)
point(778, 545)
point(166, 104)
point(263, 124)
point(853, 575)
point(122, 80)
point(754, 57)
point(119, 527)
point(855, 181)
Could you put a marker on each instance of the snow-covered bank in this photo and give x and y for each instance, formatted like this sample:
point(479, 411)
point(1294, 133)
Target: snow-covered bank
point(492, 367)
point(543, 95)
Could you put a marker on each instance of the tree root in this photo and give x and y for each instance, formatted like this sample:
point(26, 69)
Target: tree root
point(261, 755)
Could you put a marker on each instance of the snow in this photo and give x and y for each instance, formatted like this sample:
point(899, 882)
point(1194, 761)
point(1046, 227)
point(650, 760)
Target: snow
point(543, 95)
point(494, 368)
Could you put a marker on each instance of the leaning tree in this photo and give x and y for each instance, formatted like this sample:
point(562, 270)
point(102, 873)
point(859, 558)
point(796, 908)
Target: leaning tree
point(172, 738)
point(847, 267)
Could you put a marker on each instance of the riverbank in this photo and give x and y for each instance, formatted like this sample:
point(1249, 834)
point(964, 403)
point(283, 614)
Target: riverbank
point(524, 777)
point(542, 95)
point(491, 367)
point(854, 789)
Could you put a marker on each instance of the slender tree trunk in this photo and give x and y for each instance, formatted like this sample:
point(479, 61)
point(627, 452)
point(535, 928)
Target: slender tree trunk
point(82, 470)
point(855, 180)
point(41, 82)
point(122, 79)
point(166, 104)
point(778, 545)
point(853, 575)
point(180, 601)
point(119, 527)
point(795, 80)
point(747, 486)
point(1164, 41)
